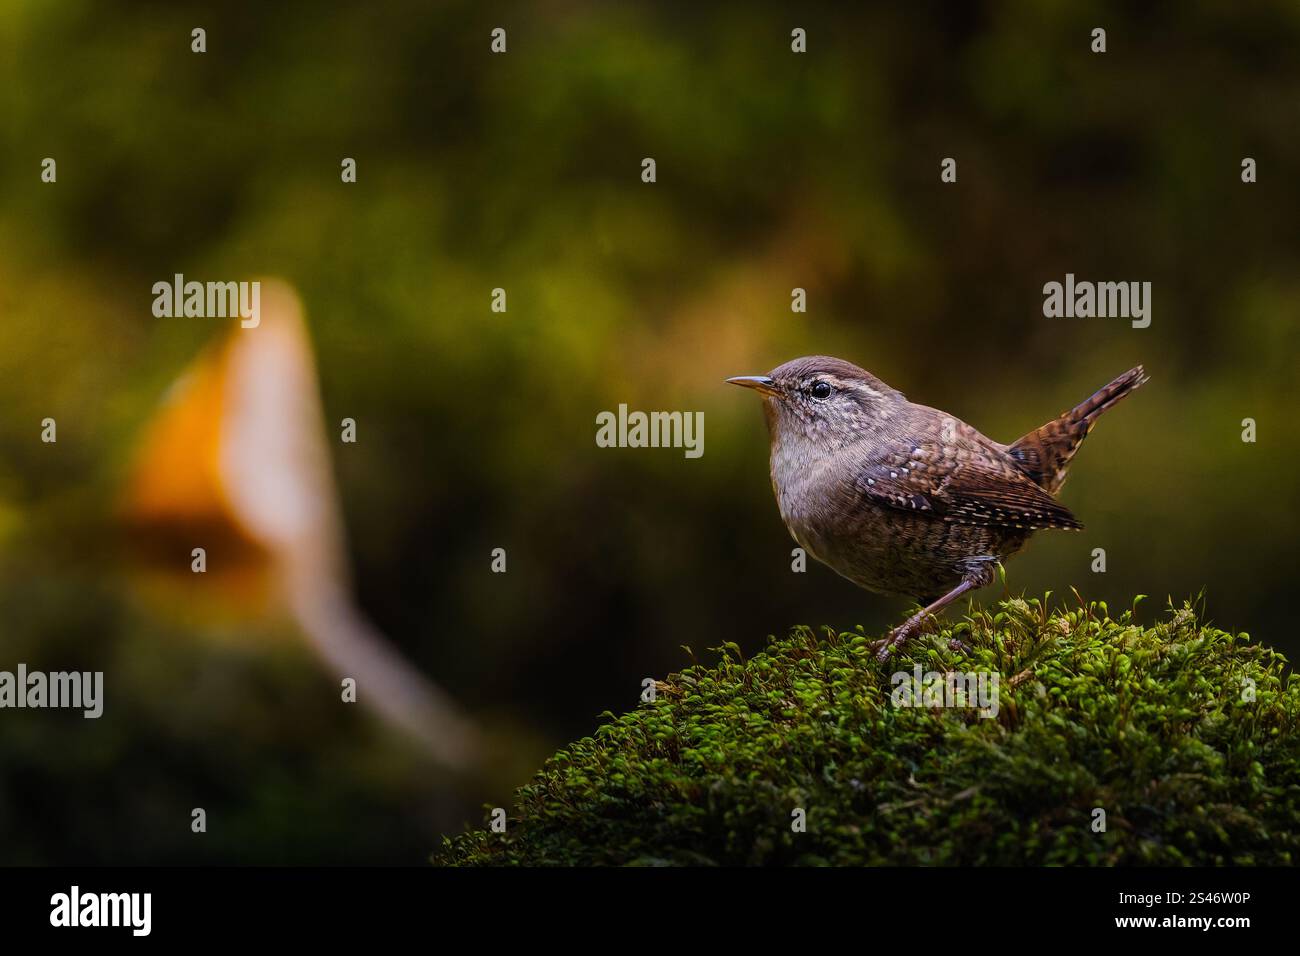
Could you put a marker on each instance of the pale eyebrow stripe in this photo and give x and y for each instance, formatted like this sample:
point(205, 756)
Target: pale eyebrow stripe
point(858, 387)
point(838, 382)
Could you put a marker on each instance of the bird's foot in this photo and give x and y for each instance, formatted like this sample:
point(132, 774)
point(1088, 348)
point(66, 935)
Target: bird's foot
point(896, 638)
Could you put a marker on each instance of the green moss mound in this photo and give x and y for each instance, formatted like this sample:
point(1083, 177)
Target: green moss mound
point(1185, 736)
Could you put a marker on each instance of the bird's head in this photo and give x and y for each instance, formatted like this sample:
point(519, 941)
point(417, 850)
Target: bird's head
point(822, 399)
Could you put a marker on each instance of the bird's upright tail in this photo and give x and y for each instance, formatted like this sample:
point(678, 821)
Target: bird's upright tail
point(1044, 454)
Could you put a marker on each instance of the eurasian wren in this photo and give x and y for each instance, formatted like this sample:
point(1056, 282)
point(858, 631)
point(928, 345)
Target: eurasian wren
point(904, 499)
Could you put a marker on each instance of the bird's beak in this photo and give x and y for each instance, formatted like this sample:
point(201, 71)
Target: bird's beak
point(759, 383)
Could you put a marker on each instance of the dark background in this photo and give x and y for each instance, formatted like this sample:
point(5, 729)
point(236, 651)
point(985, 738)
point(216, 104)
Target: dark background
point(476, 429)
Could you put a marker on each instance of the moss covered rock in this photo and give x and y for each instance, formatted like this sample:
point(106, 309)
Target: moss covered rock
point(1181, 739)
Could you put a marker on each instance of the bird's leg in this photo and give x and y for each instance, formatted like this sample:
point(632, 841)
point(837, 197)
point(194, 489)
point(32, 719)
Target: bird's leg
point(909, 627)
point(980, 575)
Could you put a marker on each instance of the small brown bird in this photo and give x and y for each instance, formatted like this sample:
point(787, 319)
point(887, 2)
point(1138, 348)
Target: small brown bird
point(905, 499)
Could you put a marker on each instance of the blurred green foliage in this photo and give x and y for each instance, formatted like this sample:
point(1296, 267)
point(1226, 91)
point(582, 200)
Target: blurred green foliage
point(521, 171)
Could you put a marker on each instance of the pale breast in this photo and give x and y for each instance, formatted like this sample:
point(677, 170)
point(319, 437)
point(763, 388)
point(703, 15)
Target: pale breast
point(878, 548)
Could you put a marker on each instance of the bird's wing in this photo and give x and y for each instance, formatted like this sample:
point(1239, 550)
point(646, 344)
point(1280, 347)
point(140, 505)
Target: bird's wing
point(965, 483)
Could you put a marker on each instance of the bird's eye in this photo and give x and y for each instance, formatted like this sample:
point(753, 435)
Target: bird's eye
point(821, 390)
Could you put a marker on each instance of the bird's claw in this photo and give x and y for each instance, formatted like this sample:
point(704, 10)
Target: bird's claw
point(895, 638)
point(900, 635)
